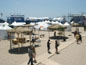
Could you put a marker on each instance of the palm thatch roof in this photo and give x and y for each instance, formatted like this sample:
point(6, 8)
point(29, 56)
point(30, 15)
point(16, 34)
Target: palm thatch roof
point(56, 27)
point(75, 24)
point(20, 30)
point(11, 31)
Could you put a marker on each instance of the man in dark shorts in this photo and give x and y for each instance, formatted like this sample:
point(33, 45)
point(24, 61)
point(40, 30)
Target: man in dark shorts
point(80, 37)
point(30, 53)
point(56, 46)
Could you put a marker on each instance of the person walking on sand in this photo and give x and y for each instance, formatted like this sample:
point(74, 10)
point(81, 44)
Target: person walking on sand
point(56, 46)
point(30, 53)
point(80, 37)
point(77, 38)
point(48, 46)
point(34, 54)
point(54, 33)
point(75, 33)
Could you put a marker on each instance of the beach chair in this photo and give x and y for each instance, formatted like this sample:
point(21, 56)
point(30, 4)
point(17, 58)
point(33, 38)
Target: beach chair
point(22, 40)
point(42, 35)
point(15, 41)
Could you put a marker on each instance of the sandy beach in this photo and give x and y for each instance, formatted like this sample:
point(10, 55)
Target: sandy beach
point(13, 57)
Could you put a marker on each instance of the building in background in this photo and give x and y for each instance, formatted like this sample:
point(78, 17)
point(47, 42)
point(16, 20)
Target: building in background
point(36, 19)
point(17, 18)
point(2, 21)
point(81, 19)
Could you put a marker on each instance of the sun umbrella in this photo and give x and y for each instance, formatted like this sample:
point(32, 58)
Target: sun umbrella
point(11, 31)
point(56, 27)
point(75, 24)
point(22, 29)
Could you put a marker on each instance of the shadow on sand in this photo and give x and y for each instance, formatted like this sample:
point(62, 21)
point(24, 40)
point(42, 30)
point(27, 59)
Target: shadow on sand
point(22, 50)
point(59, 37)
point(78, 32)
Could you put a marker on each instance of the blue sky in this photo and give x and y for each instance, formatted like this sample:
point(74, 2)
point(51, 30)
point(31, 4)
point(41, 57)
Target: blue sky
point(38, 8)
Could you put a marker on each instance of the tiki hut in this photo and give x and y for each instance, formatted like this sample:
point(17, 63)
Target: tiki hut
point(18, 30)
point(57, 27)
